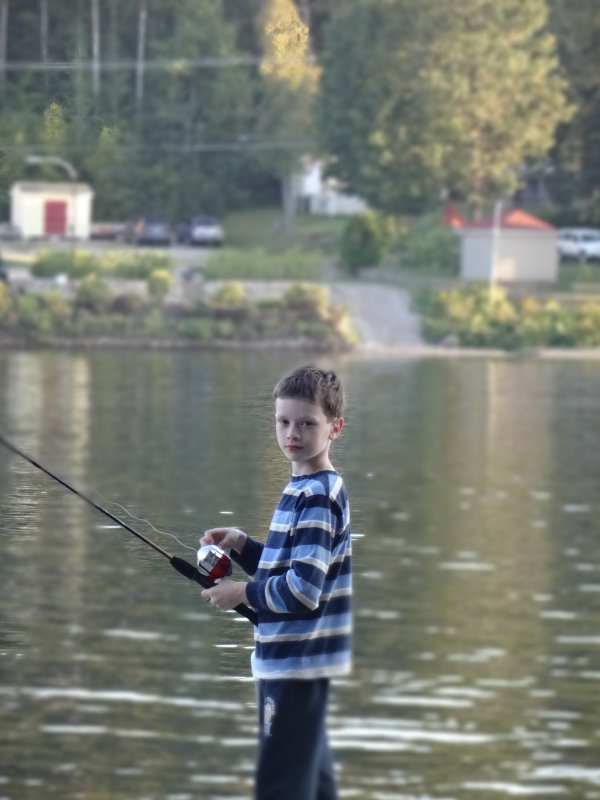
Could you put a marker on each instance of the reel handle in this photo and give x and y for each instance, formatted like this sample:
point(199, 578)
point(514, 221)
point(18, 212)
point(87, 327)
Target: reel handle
point(189, 571)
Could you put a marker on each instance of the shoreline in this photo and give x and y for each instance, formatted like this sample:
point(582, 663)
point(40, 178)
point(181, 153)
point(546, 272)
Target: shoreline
point(406, 351)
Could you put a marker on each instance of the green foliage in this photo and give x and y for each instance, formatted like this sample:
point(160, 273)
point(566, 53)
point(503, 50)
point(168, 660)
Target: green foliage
point(258, 264)
point(5, 301)
point(415, 96)
point(427, 245)
point(159, 283)
point(74, 263)
point(231, 294)
point(93, 294)
point(197, 328)
point(137, 265)
point(574, 179)
point(476, 318)
point(418, 111)
point(309, 300)
point(364, 241)
point(304, 311)
point(58, 307)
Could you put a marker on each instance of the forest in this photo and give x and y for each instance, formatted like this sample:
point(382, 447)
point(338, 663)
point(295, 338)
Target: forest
point(179, 106)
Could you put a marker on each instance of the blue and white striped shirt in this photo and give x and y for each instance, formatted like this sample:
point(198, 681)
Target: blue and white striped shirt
point(302, 582)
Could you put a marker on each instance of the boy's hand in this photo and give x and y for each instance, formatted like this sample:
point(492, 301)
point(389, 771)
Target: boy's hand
point(225, 538)
point(226, 594)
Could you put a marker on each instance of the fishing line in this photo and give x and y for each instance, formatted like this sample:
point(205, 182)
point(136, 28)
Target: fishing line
point(105, 501)
point(181, 565)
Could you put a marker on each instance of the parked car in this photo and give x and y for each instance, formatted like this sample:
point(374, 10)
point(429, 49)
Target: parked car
point(10, 231)
point(110, 231)
point(150, 229)
point(579, 243)
point(201, 230)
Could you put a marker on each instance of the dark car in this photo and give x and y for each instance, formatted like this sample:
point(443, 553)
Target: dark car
point(151, 229)
point(200, 230)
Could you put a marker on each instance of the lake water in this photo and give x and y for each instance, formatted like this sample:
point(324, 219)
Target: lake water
point(474, 491)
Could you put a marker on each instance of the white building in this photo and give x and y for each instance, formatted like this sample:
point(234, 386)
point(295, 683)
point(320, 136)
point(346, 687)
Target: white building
point(44, 208)
point(320, 195)
point(520, 247)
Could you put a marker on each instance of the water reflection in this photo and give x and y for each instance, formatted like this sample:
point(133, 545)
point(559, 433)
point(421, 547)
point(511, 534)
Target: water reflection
point(477, 577)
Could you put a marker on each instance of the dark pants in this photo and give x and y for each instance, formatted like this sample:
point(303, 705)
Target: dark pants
point(294, 761)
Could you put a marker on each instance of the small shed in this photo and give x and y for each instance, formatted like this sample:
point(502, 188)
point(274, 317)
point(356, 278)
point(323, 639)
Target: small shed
point(44, 208)
point(516, 247)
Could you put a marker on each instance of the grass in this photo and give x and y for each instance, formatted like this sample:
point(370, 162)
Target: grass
point(572, 275)
point(260, 229)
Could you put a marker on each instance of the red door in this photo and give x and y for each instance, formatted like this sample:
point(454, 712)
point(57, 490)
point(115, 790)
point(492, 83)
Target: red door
point(55, 217)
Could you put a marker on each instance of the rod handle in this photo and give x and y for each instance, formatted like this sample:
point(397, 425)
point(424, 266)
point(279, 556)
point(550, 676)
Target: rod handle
point(189, 571)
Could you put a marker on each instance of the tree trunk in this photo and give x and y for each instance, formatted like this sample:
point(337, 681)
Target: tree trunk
point(3, 43)
point(288, 203)
point(44, 27)
point(95, 17)
point(141, 50)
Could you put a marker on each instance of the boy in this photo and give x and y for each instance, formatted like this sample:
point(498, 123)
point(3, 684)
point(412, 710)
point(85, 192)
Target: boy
point(301, 589)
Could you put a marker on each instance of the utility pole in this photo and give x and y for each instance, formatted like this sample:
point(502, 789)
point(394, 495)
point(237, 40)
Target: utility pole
point(95, 14)
point(141, 50)
point(3, 43)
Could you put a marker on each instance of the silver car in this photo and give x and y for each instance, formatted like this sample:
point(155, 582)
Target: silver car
point(201, 230)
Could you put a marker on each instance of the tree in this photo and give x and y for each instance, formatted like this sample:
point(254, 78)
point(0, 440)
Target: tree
point(289, 86)
point(445, 97)
point(576, 160)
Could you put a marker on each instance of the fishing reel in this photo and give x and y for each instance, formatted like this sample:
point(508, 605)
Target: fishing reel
point(214, 562)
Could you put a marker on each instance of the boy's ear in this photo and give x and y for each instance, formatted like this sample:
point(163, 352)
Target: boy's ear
point(336, 428)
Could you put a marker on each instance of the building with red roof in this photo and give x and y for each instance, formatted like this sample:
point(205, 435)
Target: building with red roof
point(514, 246)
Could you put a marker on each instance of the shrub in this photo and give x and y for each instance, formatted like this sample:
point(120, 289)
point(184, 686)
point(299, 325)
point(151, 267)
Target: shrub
point(93, 294)
point(5, 301)
point(127, 304)
point(201, 329)
point(587, 324)
point(231, 294)
point(74, 263)
point(58, 307)
point(429, 246)
point(365, 240)
point(477, 319)
point(80, 263)
point(29, 311)
point(159, 283)
point(258, 264)
point(154, 323)
point(313, 300)
point(135, 266)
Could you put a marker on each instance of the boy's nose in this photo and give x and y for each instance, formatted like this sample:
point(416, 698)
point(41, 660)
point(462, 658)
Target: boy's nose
point(294, 432)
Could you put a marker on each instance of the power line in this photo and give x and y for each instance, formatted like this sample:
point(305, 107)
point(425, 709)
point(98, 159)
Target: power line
point(193, 147)
point(175, 64)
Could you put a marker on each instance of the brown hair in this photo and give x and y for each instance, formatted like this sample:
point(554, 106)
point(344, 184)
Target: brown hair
point(319, 386)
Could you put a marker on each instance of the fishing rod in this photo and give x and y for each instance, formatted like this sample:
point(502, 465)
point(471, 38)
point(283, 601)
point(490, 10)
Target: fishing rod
point(213, 563)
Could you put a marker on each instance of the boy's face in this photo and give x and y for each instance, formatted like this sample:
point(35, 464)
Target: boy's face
point(304, 434)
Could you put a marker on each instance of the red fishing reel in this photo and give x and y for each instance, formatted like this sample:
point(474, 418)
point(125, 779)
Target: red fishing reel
point(214, 562)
